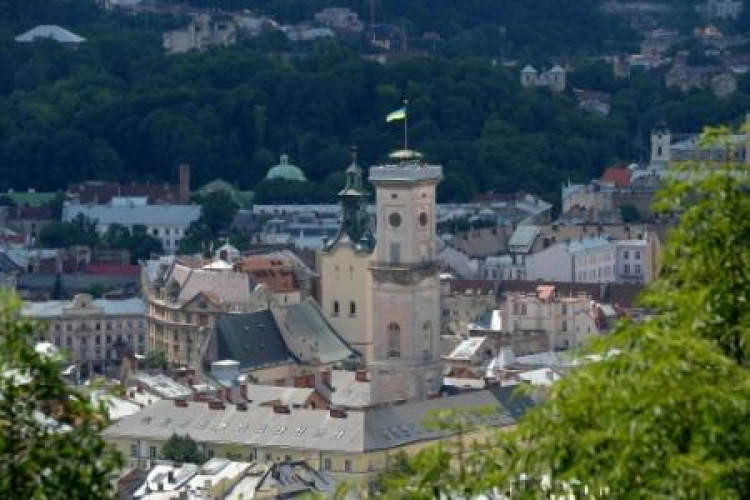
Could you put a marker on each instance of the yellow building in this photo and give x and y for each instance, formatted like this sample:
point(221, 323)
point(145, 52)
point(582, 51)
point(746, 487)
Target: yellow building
point(344, 266)
point(353, 446)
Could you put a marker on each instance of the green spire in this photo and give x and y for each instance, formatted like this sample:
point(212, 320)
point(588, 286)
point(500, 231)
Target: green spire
point(355, 222)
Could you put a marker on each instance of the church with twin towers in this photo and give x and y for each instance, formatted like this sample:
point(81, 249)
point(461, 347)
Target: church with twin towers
point(381, 289)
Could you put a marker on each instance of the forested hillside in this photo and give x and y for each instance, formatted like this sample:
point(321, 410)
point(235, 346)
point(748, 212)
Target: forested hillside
point(117, 108)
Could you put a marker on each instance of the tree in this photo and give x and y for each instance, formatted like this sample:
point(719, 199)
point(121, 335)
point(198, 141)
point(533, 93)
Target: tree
point(142, 245)
point(7, 201)
point(79, 231)
point(156, 360)
point(217, 211)
point(629, 213)
point(182, 449)
point(50, 445)
point(664, 414)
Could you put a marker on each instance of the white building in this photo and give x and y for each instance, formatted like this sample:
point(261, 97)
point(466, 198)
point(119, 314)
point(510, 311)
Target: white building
point(554, 78)
point(721, 9)
point(203, 32)
point(340, 18)
point(93, 331)
point(168, 223)
point(566, 321)
point(593, 260)
point(632, 261)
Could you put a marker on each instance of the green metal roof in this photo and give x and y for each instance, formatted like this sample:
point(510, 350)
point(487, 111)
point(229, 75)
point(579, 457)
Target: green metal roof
point(286, 171)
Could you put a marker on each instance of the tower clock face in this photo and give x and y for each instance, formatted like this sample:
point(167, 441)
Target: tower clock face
point(394, 219)
point(423, 219)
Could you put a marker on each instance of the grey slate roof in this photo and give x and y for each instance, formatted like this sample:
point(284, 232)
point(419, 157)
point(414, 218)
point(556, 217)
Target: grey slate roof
point(304, 429)
point(75, 282)
point(111, 307)
point(306, 320)
point(252, 339)
point(128, 215)
point(8, 265)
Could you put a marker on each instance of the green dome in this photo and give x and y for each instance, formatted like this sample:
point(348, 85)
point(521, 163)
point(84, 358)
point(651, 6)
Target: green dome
point(286, 171)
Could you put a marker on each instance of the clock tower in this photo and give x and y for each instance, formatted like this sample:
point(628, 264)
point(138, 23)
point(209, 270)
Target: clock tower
point(406, 358)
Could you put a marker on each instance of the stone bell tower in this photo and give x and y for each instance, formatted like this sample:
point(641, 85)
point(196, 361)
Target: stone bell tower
point(405, 363)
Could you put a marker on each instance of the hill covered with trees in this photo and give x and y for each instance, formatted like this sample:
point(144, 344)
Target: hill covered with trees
point(118, 108)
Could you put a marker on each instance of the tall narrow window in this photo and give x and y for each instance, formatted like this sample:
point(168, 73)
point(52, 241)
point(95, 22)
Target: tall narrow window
point(352, 308)
point(335, 307)
point(427, 340)
point(394, 340)
point(395, 253)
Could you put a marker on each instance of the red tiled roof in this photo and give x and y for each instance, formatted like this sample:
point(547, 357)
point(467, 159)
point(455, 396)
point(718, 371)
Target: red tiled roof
point(477, 287)
point(276, 273)
point(113, 269)
point(619, 176)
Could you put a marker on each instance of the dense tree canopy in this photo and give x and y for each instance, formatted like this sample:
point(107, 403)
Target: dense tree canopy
point(118, 108)
point(182, 449)
point(50, 445)
point(664, 414)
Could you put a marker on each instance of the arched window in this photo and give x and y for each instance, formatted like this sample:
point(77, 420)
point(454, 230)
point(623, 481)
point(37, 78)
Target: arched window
point(394, 340)
point(427, 340)
point(352, 308)
point(335, 307)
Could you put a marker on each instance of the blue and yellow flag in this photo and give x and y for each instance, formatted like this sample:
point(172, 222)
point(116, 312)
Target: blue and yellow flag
point(399, 114)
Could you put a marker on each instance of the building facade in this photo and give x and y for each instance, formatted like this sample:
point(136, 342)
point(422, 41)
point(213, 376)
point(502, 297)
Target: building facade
point(561, 322)
point(184, 303)
point(406, 362)
point(95, 332)
point(168, 223)
point(344, 264)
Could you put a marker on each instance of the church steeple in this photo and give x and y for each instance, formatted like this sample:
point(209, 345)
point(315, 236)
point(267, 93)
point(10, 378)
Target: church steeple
point(355, 222)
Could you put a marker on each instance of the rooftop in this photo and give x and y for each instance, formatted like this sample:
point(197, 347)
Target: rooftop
point(358, 431)
point(406, 171)
point(151, 215)
point(107, 307)
point(52, 32)
point(307, 322)
point(253, 339)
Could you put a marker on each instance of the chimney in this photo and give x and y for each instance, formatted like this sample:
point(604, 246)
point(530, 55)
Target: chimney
point(360, 376)
point(184, 184)
point(338, 413)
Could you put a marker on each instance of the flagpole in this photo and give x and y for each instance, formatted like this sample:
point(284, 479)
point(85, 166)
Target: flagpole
point(406, 125)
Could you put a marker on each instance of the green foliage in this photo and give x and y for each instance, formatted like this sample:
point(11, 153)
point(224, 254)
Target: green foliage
point(7, 201)
point(117, 108)
point(49, 434)
point(79, 231)
point(217, 214)
point(629, 213)
point(156, 360)
point(182, 449)
point(664, 414)
point(217, 211)
point(138, 242)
